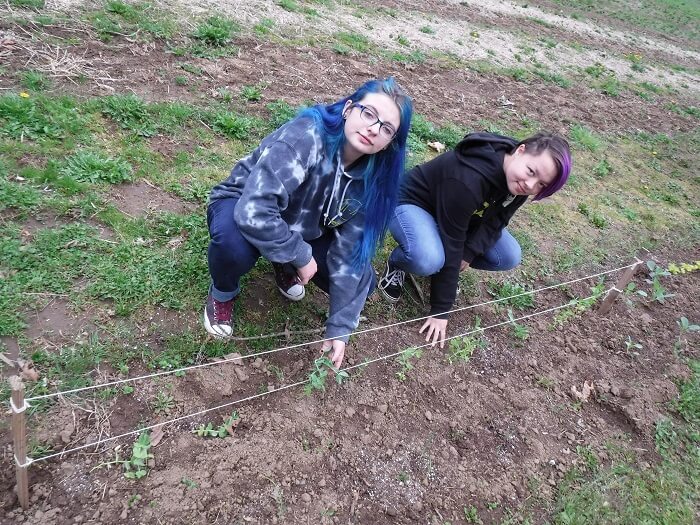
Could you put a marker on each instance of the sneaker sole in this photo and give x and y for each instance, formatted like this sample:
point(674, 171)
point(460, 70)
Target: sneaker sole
point(210, 329)
point(294, 298)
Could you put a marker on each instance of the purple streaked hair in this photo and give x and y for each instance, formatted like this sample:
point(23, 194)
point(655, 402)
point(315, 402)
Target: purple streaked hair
point(558, 148)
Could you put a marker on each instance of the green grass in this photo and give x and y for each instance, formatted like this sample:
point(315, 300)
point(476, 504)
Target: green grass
point(667, 493)
point(584, 138)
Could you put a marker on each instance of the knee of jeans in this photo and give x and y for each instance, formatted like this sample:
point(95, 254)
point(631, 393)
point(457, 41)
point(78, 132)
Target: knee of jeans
point(512, 258)
point(427, 262)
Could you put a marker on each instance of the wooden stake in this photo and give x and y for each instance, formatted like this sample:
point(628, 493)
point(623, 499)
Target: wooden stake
point(616, 290)
point(19, 435)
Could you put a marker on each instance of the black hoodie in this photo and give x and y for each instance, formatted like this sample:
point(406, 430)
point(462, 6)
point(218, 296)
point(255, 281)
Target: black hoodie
point(466, 191)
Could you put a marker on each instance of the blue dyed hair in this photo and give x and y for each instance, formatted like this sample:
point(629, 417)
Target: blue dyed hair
point(384, 169)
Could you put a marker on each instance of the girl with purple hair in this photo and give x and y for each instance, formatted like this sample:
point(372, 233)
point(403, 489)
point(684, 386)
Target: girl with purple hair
point(453, 212)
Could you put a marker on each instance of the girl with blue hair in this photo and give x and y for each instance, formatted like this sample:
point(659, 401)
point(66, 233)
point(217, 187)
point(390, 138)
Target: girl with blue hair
point(315, 198)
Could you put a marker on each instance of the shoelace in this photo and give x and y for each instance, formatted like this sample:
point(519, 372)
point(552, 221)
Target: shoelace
point(222, 310)
point(396, 278)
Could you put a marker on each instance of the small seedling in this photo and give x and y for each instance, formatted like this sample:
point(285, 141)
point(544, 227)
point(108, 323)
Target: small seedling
point(686, 326)
point(187, 482)
point(462, 348)
point(658, 292)
point(226, 429)
point(252, 93)
point(520, 331)
point(471, 515)
point(317, 377)
point(136, 467)
point(632, 347)
point(404, 360)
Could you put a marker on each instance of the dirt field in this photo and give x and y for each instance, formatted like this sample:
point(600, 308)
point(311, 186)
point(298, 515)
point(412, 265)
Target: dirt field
point(498, 437)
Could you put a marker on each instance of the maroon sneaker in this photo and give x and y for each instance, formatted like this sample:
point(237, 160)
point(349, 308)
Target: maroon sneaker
point(218, 317)
point(288, 282)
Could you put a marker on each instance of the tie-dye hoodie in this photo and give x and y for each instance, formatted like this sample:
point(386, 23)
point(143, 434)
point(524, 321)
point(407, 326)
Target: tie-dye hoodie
point(289, 193)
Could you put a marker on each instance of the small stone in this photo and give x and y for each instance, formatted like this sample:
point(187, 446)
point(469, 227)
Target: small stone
point(306, 497)
point(417, 506)
point(428, 415)
point(322, 483)
point(392, 512)
point(383, 408)
point(241, 374)
point(258, 363)
point(615, 390)
point(349, 411)
point(501, 385)
point(235, 357)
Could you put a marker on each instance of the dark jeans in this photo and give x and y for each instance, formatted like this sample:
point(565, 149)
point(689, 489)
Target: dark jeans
point(231, 256)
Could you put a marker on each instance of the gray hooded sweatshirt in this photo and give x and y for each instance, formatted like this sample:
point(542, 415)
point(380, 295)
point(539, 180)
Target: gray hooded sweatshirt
point(289, 193)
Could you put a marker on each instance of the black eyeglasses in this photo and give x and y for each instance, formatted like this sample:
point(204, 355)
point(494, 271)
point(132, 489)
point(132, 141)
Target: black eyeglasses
point(370, 116)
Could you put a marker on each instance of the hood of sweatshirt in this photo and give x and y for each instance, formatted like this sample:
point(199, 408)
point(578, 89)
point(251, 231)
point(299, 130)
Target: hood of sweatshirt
point(484, 152)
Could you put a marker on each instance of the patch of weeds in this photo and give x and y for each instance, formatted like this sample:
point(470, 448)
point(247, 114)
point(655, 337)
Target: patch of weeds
point(427, 30)
point(405, 361)
point(163, 404)
point(602, 169)
point(636, 62)
point(192, 69)
point(227, 428)
point(215, 31)
point(597, 70)
point(354, 41)
point(553, 78)
point(545, 382)
point(289, 5)
point(130, 112)
point(462, 348)
point(17, 195)
point(402, 40)
point(232, 125)
point(264, 27)
point(414, 57)
point(512, 294)
point(317, 377)
point(585, 138)
point(688, 401)
point(596, 219)
point(35, 80)
point(665, 437)
point(93, 166)
point(37, 117)
point(252, 93)
point(519, 74)
point(280, 113)
point(31, 4)
point(610, 86)
point(181, 80)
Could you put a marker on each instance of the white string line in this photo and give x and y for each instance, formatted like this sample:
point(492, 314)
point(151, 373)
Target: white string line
point(231, 403)
point(476, 330)
point(290, 347)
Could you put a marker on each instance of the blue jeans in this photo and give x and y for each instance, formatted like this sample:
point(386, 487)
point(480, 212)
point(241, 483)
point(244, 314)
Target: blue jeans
point(231, 256)
point(420, 250)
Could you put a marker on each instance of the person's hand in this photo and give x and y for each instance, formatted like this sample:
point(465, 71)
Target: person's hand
point(435, 329)
point(337, 348)
point(306, 272)
point(463, 266)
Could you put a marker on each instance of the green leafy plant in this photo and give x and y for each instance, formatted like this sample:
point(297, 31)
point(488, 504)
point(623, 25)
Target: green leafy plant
point(137, 466)
point(163, 403)
point(252, 93)
point(130, 112)
point(471, 515)
point(405, 361)
point(223, 430)
point(232, 125)
point(520, 331)
point(462, 348)
point(35, 80)
point(512, 293)
point(215, 31)
point(658, 292)
point(317, 377)
point(93, 166)
point(585, 138)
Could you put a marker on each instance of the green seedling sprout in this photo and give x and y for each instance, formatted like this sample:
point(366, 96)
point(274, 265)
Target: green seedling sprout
point(404, 360)
point(317, 377)
point(222, 431)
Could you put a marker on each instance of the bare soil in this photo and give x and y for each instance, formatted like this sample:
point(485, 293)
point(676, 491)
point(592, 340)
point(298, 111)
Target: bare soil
point(500, 429)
